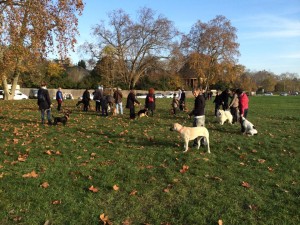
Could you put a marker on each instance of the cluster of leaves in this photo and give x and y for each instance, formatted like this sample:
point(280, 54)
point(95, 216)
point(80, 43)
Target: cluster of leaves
point(112, 170)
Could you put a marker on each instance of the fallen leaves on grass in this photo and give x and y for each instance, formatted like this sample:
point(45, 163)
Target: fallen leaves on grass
point(22, 158)
point(93, 189)
point(184, 169)
point(261, 161)
point(134, 192)
point(220, 222)
point(105, 219)
point(56, 202)
point(246, 184)
point(32, 174)
point(116, 187)
point(44, 185)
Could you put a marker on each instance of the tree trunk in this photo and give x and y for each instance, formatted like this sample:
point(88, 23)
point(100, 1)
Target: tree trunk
point(9, 94)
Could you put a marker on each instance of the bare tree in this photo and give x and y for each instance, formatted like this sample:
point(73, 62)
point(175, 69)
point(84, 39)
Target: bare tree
point(29, 29)
point(135, 44)
point(214, 43)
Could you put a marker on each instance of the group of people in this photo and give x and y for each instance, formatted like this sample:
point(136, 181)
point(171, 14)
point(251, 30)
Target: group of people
point(238, 104)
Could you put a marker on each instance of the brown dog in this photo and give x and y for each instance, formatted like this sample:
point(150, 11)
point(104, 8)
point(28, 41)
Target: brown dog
point(191, 133)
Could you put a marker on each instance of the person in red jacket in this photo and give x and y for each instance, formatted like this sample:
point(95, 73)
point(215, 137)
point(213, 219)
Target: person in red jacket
point(243, 105)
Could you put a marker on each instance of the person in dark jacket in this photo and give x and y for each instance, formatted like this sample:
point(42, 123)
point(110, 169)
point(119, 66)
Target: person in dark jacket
point(86, 100)
point(182, 100)
point(217, 101)
point(59, 98)
point(118, 100)
point(198, 111)
point(225, 99)
point(150, 101)
point(44, 103)
point(98, 95)
point(131, 99)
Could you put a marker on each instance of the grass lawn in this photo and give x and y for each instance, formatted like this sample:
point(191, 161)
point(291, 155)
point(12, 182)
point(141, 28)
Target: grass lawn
point(134, 172)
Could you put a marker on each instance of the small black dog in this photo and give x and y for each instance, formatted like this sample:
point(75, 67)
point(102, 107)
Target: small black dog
point(64, 119)
point(142, 113)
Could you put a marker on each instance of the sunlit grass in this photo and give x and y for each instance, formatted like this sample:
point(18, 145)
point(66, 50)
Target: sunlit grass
point(144, 159)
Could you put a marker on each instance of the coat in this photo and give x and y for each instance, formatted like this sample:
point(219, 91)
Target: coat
point(150, 102)
point(131, 100)
point(44, 104)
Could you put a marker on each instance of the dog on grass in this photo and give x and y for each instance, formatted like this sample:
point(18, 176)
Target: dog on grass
point(142, 113)
point(248, 127)
point(63, 119)
point(191, 133)
point(223, 116)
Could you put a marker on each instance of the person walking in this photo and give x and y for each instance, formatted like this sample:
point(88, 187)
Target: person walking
point(118, 100)
point(59, 98)
point(243, 106)
point(198, 112)
point(98, 94)
point(150, 101)
point(86, 100)
point(131, 99)
point(234, 104)
point(182, 100)
point(44, 103)
point(217, 101)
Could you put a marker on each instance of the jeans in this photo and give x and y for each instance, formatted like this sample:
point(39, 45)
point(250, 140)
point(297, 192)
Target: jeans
point(199, 121)
point(48, 115)
point(119, 108)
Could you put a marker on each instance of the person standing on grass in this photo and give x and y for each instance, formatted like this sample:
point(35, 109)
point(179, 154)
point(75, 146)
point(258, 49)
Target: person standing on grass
point(243, 105)
point(217, 101)
point(44, 103)
point(234, 104)
point(118, 100)
point(86, 100)
point(59, 98)
point(150, 101)
point(182, 100)
point(98, 94)
point(174, 104)
point(131, 100)
point(198, 112)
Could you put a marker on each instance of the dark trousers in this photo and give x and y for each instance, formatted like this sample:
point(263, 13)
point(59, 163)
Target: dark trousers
point(98, 104)
point(132, 113)
point(234, 113)
point(217, 107)
point(59, 105)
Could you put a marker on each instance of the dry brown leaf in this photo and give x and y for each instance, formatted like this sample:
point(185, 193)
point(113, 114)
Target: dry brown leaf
point(93, 154)
point(261, 160)
point(184, 169)
point(93, 189)
point(126, 222)
point(56, 202)
point(115, 187)
point(104, 219)
point(45, 185)
point(32, 174)
point(246, 184)
point(220, 222)
point(16, 141)
point(270, 169)
point(48, 152)
point(134, 192)
point(22, 158)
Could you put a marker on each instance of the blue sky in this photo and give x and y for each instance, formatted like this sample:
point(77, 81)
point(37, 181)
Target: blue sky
point(268, 30)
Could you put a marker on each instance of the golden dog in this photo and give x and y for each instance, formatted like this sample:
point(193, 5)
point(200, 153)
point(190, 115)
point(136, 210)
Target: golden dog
point(191, 133)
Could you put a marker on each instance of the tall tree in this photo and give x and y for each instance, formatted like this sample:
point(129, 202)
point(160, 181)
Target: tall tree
point(29, 29)
point(215, 43)
point(135, 45)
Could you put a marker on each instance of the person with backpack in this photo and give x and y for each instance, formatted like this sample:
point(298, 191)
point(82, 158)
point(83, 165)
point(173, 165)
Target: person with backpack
point(59, 99)
point(150, 101)
point(44, 103)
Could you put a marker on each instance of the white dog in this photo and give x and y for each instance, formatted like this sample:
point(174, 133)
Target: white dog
point(223, 116)
point(191, 133)
point(248, 127)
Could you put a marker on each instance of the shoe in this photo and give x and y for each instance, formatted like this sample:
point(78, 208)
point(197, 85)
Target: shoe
point(49, 122)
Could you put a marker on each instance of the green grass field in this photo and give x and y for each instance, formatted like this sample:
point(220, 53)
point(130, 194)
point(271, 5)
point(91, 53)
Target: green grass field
point(134, 172)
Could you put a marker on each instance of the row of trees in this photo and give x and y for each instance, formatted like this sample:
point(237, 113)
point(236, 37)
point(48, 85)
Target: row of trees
point(124, 52)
